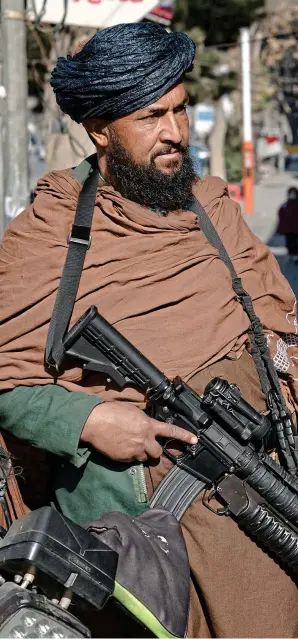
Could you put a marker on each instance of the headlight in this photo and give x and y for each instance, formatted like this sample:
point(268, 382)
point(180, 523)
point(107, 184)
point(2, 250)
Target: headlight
point(25, 614)
point(29, 623)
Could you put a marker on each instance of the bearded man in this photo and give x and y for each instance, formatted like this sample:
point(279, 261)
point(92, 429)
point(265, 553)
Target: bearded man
point(153, 275)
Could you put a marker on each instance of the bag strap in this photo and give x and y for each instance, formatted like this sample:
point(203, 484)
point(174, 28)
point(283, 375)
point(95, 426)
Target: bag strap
point(79, 241)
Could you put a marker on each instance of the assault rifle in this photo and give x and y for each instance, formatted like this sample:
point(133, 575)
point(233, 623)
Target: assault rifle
point(230, 455)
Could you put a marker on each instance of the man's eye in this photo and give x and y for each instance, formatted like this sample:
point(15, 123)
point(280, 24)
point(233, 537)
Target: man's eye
point(153, 116)
point(149, 118)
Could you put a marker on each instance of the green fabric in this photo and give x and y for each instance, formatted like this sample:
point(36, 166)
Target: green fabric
point(86, 484)
point(138, 610)
point(44, 416)
point(81, 172)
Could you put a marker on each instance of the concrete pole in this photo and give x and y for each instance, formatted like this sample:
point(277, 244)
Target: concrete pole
point(247, 144)
point(2, 115)
point(16, 167)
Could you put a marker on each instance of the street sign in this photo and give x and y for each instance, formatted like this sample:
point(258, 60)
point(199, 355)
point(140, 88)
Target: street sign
point(90, 13)
point(163, 12)
point(268, 146)
point(203, 119)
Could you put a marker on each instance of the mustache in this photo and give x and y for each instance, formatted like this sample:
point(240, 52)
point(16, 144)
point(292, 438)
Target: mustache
point(168, 148)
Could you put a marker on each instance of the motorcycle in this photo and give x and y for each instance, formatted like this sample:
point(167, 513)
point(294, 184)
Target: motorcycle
point(118, 577)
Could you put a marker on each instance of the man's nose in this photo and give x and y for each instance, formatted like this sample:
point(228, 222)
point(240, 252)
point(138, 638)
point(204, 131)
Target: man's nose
point(170, 131)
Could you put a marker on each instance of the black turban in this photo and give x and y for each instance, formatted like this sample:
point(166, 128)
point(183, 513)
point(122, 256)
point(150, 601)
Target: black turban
point(121, 69)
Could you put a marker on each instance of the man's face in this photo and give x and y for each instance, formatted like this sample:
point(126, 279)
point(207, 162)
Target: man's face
point(157, 135)
point(145, 155)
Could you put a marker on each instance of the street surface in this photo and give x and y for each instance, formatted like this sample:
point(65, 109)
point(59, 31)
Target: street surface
point(268, 197)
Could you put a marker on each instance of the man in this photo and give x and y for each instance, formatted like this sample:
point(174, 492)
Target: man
point(153, 274)
point(288, 223)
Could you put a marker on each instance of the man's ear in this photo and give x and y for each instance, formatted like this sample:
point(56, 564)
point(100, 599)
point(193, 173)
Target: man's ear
point(98, 132)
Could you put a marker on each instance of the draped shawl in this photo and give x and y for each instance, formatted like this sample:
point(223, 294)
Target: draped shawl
point(156, 279)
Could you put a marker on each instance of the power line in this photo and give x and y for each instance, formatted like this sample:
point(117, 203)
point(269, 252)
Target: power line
point(234, 45)
point(39, 16)
point(224, 45)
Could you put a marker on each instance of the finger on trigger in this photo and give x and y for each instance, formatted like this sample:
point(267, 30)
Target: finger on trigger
point(175, 432)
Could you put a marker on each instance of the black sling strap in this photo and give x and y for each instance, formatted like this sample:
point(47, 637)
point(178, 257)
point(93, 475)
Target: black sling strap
point(259, 343)
point(79, 241)
point(287, 442)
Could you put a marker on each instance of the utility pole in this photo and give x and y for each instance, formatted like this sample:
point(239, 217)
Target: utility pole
point(16, 167)
point(247, 143)
point(2, 112)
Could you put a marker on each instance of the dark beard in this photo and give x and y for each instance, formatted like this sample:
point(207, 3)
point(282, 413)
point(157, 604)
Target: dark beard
point(147, 185)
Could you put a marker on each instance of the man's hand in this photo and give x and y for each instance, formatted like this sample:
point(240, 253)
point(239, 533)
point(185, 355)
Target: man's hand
point(125, 433)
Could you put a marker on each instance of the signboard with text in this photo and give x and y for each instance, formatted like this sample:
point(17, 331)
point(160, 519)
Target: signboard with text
point(163, 13)
point(90, 13)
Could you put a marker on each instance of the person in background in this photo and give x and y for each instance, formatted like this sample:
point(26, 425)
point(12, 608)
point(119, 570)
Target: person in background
point(288, 222)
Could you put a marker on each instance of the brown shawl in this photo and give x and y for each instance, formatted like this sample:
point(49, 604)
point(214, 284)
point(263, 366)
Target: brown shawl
point(157, 279)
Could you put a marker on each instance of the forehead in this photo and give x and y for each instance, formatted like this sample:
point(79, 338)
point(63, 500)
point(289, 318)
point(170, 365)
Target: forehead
point(172, 98)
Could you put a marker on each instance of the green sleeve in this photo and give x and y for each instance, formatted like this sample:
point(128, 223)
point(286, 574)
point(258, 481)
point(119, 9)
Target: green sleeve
point(48, 417)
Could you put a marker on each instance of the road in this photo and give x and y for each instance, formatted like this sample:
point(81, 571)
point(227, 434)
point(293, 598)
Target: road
point(268, 197)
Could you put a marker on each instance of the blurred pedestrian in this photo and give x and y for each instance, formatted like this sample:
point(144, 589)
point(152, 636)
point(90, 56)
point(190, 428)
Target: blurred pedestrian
point(288, 222)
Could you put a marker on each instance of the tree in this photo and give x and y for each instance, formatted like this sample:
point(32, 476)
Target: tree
point(279, 53)
point(67, 142)
point(220, 20)
point(214, 27)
